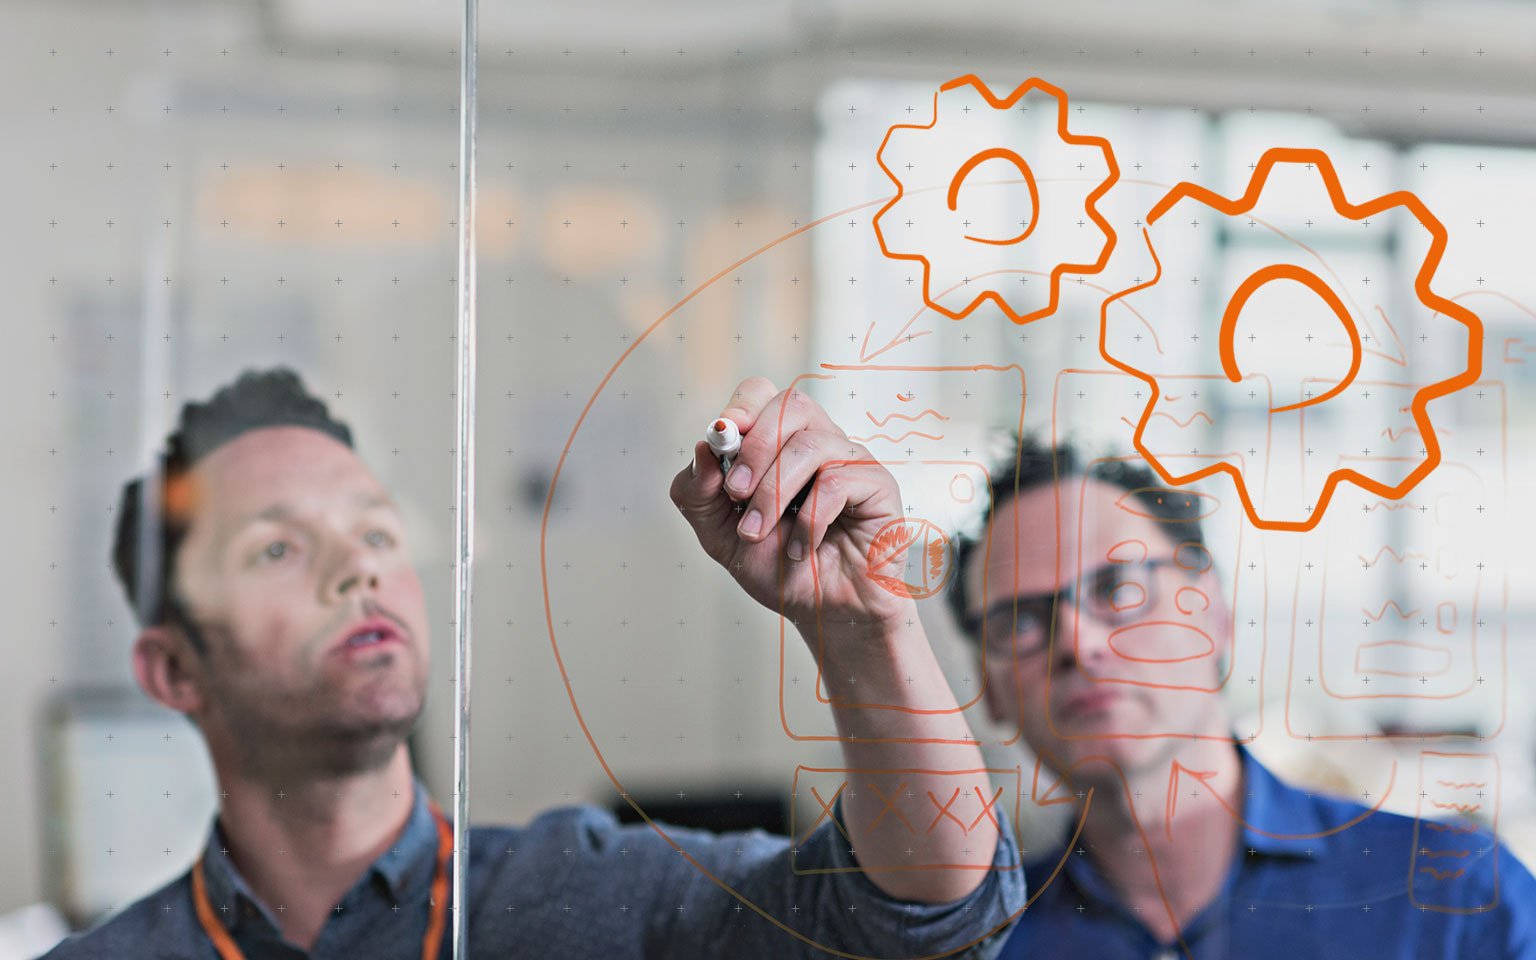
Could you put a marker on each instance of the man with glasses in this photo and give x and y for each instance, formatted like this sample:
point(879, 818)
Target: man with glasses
point(1093, 602)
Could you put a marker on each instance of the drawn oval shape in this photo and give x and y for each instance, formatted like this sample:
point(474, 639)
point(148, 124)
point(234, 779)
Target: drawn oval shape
point(1181, 642)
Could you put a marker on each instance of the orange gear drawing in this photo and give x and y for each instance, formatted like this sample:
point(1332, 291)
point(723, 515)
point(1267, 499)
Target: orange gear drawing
point(1003, 153)
point(1229, 366)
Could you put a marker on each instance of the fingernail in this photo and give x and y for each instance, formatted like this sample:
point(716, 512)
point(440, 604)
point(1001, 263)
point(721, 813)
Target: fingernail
point(751, 523)
point(796, 550)
point(740, 477)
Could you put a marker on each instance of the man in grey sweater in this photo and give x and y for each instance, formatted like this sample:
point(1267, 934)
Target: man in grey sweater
point(285, 620)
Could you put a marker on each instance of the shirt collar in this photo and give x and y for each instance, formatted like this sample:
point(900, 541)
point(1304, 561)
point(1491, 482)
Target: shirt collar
point(1273, 813)
point(412, 858)
point(230, 896)
point(414, 854)
point(1278, 819)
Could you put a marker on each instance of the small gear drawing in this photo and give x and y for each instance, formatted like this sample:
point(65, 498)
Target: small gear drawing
point(1287, 271)
point(953, 224)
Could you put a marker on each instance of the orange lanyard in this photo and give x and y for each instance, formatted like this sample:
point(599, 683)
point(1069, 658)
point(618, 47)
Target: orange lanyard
point(229, 950)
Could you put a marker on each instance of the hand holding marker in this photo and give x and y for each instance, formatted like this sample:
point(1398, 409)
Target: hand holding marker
point(724, 439)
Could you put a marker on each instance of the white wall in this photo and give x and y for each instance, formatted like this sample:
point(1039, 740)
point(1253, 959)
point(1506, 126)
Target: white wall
point(624, 137)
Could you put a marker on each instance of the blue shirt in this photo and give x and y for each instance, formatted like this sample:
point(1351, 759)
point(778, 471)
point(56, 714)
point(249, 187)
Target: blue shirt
point(576, 883)
point(1357, 893)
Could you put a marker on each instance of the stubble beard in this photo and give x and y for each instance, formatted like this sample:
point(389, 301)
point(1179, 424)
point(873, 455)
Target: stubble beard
point(319, 731)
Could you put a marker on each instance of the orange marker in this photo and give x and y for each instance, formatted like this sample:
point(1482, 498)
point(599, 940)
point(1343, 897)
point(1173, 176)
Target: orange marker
point(724, 439)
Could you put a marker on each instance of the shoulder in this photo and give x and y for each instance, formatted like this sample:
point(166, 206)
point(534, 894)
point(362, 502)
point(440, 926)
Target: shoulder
point(1454, 864)
point(595, 825)
point(583, 826)
point(163, 918)
point(572, 840)
point(587, 830)
point(1452, 878)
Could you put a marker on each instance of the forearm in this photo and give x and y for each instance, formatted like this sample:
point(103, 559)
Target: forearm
point(919, 806)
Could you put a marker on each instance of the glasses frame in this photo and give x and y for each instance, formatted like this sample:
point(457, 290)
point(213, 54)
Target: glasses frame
point(975, 625)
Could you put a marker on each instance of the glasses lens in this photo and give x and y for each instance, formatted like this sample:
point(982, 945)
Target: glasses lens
point(1119, 591)
point(1019, 628)
point(1115, 594)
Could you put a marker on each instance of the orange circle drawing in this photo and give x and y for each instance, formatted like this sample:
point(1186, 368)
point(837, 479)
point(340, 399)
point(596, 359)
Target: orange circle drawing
point(998, 153)
point(891, 558)
point(1288, 271)
point(962, 488)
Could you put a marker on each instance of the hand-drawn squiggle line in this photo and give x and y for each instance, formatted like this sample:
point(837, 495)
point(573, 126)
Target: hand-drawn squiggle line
point(902, 416)
point(1169, 416)
point(1399, 557)
point(1383, 611)
point(909, 433)
point(1447, 827)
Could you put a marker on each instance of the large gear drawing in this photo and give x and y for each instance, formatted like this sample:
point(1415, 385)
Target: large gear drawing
point(1278, 271)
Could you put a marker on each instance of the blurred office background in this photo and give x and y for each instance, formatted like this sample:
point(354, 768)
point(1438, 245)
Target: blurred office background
point(192, 189)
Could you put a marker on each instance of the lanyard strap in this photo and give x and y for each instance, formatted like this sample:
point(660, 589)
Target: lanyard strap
point(229, 950)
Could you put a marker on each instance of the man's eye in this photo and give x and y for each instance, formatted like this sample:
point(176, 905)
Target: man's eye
point(1029, 621)
point(379, 538)
point(275, 550)
point(1126, 595)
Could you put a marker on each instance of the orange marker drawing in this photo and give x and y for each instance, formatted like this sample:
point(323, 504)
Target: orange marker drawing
point(984, 293)
point(1468, 374)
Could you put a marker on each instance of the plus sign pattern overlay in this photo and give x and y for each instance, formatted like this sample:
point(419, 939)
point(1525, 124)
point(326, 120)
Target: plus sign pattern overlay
point(198, 196)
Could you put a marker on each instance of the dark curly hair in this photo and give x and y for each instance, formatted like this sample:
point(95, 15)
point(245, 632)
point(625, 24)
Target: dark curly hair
point(1031, 464)
point(155, 510)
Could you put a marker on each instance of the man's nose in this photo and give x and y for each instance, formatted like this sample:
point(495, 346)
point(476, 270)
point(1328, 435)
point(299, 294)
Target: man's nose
point(357, 569)
point(1081, 640)
point(369, 577)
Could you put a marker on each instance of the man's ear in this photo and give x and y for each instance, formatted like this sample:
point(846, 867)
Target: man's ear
point(169, 670)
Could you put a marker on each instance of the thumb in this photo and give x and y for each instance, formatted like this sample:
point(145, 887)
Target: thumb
point(697, 487)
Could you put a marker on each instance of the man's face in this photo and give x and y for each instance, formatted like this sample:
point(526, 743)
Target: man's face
point(295, 547)
point(1136, 654)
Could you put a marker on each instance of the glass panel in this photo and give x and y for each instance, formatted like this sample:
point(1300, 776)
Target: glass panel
point(672, 199)
point(197, 193)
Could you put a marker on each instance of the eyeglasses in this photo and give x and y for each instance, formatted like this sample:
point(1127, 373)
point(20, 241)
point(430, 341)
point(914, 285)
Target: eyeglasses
point(1114, 594)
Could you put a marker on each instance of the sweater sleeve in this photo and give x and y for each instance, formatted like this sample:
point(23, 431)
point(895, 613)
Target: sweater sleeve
point(755, 894)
